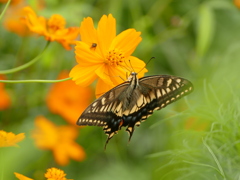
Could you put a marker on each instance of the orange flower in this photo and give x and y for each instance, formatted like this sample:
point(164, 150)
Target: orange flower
point(51, 174)
point(5, 101)
point(21, 177)
point(10, 139)
point(13, 2)
point(68, 99)
point(237, 3)
point(103, 55)
point(59, 139)
point(55, 174)
point(12, 20)
point(53, 29)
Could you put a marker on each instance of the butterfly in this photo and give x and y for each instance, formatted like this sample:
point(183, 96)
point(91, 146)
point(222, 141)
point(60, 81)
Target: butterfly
point(132, 102)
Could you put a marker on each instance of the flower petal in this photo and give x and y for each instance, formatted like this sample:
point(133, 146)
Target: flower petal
point(87, 31)
point(85, 56)
point(83, 76)
point(68, 99)
point(137, 65)
point(76, 152)
point(60, 154)
point(55, 174)
point(10, 139)
point(103, 74)
point(22, 177)
point(102, 88)
point(106, 32)
point(127, 41)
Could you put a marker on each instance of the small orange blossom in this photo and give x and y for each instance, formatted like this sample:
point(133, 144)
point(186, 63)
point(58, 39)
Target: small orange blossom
point(12, 20)
point(5, 100)
point(237, 3)
point(59, 139)
point(68, 99)
point(13, 2)
point(10, 139)
point(51, 174)
point(52, 29)
point(55, 174)
point(104, 56)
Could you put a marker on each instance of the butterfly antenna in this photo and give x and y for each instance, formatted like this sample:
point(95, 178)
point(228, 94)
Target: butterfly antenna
point(146, 64)
point(131, 65)
point(126, 66)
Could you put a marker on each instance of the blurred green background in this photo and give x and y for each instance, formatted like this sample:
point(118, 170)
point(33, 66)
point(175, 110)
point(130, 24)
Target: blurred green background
point(196, 137)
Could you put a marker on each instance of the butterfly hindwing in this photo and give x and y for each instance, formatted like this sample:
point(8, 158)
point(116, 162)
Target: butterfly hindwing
point(156, 92)
point(132, 102)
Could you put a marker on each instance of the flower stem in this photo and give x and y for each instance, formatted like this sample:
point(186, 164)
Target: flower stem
point(1, 165)
point(24, 66)
point(4, 10)
point(34, 81)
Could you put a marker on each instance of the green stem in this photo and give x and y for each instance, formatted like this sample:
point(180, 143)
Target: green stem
point(34, 81)
point(4, 10)
point(24, 66)
point(1, 165)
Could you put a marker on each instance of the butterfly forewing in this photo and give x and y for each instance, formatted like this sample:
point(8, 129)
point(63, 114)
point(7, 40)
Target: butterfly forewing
point(132, 102)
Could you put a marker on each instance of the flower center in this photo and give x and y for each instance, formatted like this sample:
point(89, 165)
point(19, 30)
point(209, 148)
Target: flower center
point(114, 57)
point(55, 23)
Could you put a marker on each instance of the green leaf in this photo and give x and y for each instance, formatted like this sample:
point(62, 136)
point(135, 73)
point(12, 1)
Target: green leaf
point(205, 29)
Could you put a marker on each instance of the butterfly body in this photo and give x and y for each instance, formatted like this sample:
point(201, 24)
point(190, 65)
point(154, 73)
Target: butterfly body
point(132, 102)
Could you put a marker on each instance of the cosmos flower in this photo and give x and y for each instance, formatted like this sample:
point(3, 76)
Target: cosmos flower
point(55, 174)
point(53, 29)
point(67, 99)
point(13, 2)
point(51, 174)
point(103, 55)
point(5, 100)
point(10, 139)
point(58, 139)
point(237, 3)
point(12, 20)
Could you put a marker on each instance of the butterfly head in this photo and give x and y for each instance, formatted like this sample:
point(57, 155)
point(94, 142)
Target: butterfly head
point(132, 76)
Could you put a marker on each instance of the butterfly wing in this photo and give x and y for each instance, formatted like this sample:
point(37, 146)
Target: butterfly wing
point(156, 93)
point(105, 111)
point(127, 105)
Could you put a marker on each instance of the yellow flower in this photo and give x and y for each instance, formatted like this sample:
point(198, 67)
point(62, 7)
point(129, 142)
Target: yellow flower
point(12, 18)
point(13, 2)
point(21, 177)
point(52, 29)
point(51, 174)
point(5, 100)
point(10, 139)
point(59, 139)
point(103, 55)
point(68, 99)
point(55, 174)
point(237, 3)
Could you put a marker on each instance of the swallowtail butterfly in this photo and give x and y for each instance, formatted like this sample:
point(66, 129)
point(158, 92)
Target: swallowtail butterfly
point(133, 101)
